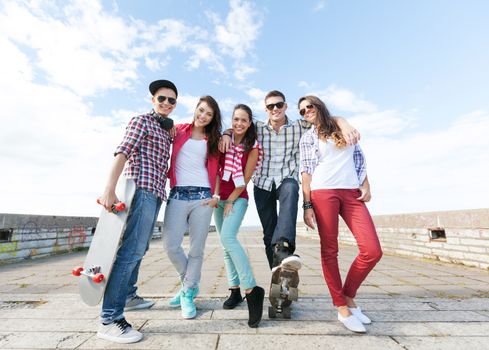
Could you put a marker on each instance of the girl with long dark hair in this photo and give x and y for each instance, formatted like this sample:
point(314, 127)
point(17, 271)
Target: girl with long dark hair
point(193, 171)
point(334, 182)
point(236, 168)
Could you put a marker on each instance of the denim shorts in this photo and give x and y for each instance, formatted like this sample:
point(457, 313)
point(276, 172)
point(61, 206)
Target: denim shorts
point(190, 193)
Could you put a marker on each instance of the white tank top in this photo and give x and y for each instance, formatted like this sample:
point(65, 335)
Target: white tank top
point(335, 169)
point(190, 165)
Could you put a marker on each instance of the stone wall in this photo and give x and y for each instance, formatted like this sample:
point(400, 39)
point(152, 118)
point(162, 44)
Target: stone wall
point(31, 236)
point(460, 237)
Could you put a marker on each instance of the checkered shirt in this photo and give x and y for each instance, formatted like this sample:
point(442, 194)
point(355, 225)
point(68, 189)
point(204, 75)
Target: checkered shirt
point(280, 153)
point(309, 154)
point(147, 148)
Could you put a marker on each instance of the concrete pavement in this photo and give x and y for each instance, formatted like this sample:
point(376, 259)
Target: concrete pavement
point(414, 304)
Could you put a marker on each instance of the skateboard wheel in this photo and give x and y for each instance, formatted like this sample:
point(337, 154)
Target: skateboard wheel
point(77, 271)
point(293, 293)
point(275, 290)
point(286, 312)
point(119, 206)
point(98, 278)
point(272, 313)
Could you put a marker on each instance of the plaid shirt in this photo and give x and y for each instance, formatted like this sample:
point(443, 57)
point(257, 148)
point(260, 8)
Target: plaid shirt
point(147, 148)
point(309, 153)
point(280, 153)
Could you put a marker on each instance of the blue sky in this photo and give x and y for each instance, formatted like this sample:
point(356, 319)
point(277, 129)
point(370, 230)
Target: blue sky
point(412, 76)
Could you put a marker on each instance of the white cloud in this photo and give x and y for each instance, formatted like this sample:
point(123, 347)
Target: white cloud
point(364, 115)
point(237, 36)
point(242, 71)
point(304, 84)
point(80, 41)
point(383, 123)
point(319, 6)
point(345, 100)
point(431, 171)
point(203, 53)
point(86, 44)
point(257, 100)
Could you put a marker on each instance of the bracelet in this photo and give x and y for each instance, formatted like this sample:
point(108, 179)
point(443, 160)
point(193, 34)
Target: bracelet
point(218, 197)
point(229, 202)
point(307, 205)
point(227, 134)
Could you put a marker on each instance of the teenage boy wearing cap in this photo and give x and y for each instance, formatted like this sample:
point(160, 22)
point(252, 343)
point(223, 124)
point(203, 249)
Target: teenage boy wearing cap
point(143, 155)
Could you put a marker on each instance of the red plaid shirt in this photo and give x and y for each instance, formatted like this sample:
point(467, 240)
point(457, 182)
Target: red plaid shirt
point(147, 148)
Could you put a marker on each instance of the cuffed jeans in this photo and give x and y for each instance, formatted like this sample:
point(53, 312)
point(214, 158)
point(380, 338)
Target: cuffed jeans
point(123, 277)
point(283, 224)
point(185, 211)
point(238, 267)
point(327, 205)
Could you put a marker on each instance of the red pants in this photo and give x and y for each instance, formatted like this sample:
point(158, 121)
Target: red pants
point(327, 205)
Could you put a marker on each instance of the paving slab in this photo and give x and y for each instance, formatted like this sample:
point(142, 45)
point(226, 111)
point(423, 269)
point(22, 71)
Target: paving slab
point(442, 343)
point(306, 341)
point(414, 304)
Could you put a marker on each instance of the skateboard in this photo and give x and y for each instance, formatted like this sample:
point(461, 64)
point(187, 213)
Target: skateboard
point(95, 272)
point(283, 290)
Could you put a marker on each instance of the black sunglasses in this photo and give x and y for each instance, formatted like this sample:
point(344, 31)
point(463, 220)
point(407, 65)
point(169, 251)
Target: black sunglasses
point(279, 105)
point(162, 99)
point(303, 110)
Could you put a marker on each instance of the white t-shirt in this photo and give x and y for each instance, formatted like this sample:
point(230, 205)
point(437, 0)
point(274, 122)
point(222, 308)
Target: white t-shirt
point(190, 165)
point(335, 169)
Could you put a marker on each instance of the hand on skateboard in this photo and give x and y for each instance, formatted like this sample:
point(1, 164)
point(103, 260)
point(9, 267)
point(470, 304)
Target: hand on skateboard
point(96, 269)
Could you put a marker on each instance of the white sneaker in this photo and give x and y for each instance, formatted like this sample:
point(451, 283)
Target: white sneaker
point(292, 262)
point(119, 332)
point(138, 303)
point(357, 312)
point(352, 323)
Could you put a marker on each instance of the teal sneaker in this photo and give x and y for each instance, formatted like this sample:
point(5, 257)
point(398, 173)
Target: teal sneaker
point(189, 310)
point(175, 301)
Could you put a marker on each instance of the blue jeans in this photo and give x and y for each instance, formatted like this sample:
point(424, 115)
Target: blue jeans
point(184, 212)
point(139, 229)
point(238, 267)
point(282, 224)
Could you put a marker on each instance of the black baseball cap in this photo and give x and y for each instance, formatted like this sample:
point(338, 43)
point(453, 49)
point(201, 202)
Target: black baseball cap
point(158, 84)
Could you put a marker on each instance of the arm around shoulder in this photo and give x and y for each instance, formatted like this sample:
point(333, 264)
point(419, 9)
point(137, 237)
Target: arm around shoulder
point(351, 135)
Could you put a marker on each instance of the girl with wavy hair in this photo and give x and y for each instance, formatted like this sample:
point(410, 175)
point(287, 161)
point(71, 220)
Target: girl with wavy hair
point(334, 183)
point(193, 172)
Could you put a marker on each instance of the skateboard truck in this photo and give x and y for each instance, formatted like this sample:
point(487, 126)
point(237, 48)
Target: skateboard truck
point(283, 291)
point(93, 273)
point(116, 207)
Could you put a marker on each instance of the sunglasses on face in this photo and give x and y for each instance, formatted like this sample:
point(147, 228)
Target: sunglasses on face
point(279, 105)
point(303, 110)
point(162, 99)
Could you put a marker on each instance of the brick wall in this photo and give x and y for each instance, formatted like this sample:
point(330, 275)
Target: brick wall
point(420, 235)
point(32, 236)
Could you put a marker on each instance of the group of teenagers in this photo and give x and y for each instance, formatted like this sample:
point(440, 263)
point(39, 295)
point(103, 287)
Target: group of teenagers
point(209, 171)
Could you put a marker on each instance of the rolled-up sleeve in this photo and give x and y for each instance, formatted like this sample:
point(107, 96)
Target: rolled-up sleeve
point(360, 163)
point(308, 152)
point(132, 138)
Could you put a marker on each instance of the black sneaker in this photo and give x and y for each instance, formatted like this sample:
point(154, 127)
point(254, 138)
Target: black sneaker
point(282, 249)
point(255, 306)
point(234, 299)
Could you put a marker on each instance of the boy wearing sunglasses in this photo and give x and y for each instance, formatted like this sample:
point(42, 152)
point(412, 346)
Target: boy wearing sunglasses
point(143, 155)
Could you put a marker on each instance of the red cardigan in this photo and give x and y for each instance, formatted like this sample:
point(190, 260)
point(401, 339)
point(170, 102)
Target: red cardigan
point(184, 132)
